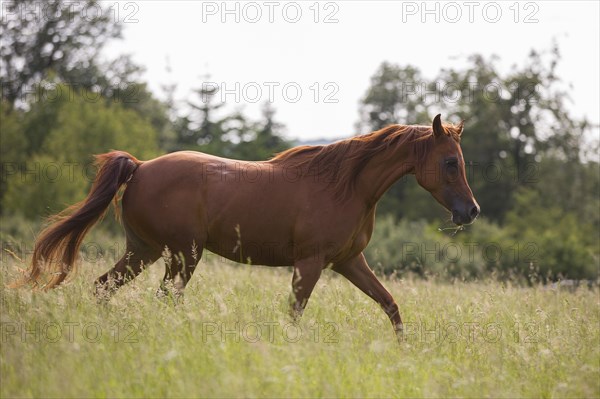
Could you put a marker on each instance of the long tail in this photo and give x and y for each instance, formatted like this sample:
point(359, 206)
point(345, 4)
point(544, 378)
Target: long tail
point(57, 246)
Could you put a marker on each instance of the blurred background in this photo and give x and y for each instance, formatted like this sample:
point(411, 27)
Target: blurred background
point(246, 80)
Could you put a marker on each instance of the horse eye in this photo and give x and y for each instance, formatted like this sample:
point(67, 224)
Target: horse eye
point(452, 161)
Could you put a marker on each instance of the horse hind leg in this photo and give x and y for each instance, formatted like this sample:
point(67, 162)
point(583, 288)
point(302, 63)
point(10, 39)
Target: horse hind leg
point(179, 268)
point(126, 269)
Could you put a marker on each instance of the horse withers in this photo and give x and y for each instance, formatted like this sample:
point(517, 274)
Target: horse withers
point(309, 207)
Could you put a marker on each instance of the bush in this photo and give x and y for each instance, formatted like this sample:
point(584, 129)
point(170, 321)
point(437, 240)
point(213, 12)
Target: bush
point(484, 249)
point(419, 248)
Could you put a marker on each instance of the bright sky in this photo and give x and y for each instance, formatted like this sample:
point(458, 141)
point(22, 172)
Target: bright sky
point(316, 69)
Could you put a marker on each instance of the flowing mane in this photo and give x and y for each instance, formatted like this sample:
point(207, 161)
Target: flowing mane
point(340, 163)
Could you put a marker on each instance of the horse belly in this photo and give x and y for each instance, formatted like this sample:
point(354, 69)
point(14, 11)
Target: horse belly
point(265, 253)
point(252, 222)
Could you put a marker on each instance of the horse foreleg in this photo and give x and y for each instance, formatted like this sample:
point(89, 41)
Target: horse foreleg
point(306, 275)
point(357, 271)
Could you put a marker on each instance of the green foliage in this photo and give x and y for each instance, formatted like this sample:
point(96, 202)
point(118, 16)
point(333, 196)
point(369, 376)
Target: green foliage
point(537, 245)
point(387, 100)
point(419, 248)
point(87, 127)
point(564, 247)
point(61, 172)
point(513, 122)
point(14, 143)
point(67, 43)
point(231, 136)
point(528, 164)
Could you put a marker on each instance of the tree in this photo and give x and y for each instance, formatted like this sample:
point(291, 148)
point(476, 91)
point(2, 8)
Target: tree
point(61, 172)
point(393, 97)
point(513, 121)
point(50, 61)
point(529, 169)
point(263, 139)
point(232, 135)
point(200, 126)
point(39, 37)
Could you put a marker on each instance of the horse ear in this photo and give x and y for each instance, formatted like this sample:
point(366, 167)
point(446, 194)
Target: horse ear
point(438, 130)
point(460, 126)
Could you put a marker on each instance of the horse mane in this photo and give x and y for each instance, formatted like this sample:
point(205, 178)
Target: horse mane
point(340, 163)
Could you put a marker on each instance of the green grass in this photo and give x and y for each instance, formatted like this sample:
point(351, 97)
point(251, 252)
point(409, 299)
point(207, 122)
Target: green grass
point(481, 339)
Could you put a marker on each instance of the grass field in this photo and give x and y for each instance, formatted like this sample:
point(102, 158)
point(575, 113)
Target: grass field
point(231, 337)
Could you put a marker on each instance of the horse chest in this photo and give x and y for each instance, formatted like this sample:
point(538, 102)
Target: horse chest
point(364, 235)
point(357, 241)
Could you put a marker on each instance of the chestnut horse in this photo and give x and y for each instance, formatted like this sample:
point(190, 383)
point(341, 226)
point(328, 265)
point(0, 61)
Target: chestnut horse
point(310, 207)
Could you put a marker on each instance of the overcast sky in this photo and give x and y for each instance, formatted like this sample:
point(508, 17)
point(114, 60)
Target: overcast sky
point(314, 60)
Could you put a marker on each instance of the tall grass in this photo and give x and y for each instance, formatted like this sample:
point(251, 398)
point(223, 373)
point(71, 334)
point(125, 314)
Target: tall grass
point(231, 337)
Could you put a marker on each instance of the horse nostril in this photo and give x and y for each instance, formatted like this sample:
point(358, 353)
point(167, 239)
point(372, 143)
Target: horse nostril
point(474, 212)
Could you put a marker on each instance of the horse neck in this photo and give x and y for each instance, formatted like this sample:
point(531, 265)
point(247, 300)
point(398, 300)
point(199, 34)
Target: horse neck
point(383, 170)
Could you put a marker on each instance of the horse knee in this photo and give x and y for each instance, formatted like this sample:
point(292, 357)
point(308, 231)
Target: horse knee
point(391, 308)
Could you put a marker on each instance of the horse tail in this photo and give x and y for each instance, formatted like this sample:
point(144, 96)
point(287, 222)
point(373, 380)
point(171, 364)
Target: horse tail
point(57, 246)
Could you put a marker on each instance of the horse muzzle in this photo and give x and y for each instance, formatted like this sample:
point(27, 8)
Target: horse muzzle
point(465, 214)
